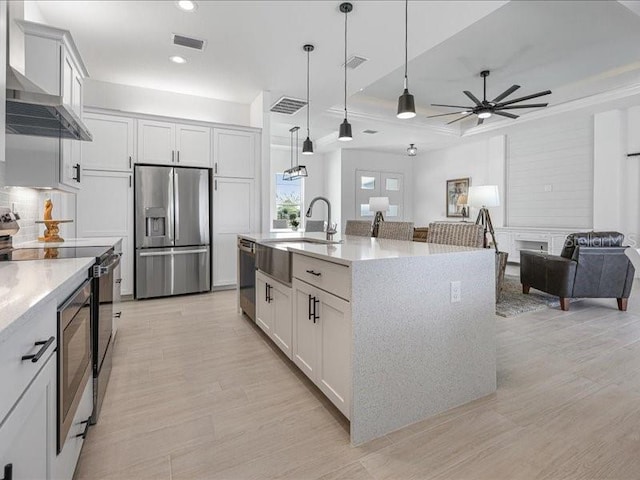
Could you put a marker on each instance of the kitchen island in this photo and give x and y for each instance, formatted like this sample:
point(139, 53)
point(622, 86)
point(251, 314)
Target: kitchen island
point(392, 332)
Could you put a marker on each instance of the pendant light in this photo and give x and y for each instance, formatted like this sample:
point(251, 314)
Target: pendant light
point(307, 145)
point(412, 151)
point(297, 171)
point(406, 105)
point(345, 127)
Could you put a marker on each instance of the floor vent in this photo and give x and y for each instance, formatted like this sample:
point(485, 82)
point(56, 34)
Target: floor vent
point(189, 42)
point(355, 61)
point(370, 132)
point(288, 105)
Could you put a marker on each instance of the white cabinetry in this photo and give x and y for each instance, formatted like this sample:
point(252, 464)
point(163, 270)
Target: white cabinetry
point(112, 145)
point(234, 153)
point(274, 311)
point(513, 240)
point(233, 213)
point(105, 209)
point(168, 143)
point(322, 335)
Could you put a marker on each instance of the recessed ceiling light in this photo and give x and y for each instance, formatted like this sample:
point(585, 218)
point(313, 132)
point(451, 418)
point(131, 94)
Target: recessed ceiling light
point(187, 5)
point(178, 59)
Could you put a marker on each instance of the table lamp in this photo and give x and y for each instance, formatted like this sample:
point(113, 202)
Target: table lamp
point(462, 202)
point(482, 197)
point(378, 205)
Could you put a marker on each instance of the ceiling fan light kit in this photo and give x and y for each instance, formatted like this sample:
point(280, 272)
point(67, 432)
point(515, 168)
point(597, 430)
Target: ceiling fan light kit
point(412, 151)
point(307, 145)
point(345, 134)
point(485, 109)
point(406, 103)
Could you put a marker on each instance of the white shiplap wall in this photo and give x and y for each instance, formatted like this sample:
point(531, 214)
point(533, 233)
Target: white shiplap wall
point(550, 174)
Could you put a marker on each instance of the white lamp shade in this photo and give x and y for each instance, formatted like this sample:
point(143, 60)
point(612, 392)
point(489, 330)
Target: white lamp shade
point(484, 196)
point(378, 204)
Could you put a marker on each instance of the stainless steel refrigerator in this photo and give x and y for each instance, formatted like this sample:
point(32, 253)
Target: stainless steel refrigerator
point(172, 216)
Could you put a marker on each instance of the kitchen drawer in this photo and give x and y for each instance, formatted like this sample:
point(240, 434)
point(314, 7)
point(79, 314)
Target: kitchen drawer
point(16, 374)
point(331, 277)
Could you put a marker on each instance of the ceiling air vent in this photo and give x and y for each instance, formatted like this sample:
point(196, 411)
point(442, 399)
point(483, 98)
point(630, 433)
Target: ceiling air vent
point(189, 42)
point(370, 132)
point(355, 61)
point(288, 105)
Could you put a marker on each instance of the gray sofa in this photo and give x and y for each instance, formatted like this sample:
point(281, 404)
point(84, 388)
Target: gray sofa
point(591, 265)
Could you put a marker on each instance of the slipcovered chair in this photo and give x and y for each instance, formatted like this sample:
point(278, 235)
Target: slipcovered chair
point(360, 228)
point(591, 265)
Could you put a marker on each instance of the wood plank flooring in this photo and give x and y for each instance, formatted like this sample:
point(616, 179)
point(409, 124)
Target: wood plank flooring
point(198, 392)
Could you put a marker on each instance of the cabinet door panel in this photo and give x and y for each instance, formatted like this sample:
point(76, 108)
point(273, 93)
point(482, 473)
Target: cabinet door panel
point(334, 368)
point(282, 319)
point(233, 213)
point(24, 438)
point(156, 142)
point(305, 344)
point(104, 205)
point(112, 145)
point(68, 72)
point(193, 145)
point(264, 310)
point(234, 153)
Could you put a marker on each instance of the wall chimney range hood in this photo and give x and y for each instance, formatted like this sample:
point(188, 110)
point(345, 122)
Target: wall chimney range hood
point(32, 111)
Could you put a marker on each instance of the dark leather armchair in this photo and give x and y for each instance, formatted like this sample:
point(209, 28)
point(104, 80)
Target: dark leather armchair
point(591, 265)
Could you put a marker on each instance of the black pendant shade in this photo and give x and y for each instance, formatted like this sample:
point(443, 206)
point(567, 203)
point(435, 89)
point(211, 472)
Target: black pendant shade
point(406, 105)
point(345, 131)
point(307, 147)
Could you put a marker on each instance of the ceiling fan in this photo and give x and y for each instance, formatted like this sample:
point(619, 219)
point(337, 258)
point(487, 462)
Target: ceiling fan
point(484, 109)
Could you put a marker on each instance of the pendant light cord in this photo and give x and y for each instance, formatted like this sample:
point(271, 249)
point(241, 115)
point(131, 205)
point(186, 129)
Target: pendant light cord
point(345, 65)
point(406, 42)
point(308, 106)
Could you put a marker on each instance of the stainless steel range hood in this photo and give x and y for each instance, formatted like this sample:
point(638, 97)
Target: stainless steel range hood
point(32, 111)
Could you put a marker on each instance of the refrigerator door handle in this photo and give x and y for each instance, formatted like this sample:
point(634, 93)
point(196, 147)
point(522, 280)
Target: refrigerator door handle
point(176, 204)
point(165, 254)
point(170, 207)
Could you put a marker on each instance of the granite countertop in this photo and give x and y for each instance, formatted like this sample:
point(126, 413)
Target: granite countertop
point(353, 248)
point(25, 284)
point(72, 242)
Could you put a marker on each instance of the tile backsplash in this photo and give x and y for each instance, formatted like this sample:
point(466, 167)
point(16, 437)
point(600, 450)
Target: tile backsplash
point(28, 202)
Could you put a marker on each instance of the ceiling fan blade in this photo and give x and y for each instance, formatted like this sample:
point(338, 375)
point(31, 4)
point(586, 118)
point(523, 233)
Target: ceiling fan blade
point(473, 98)
point(480, 121)
point(522, 99)
point(531, 105)
point(452, 106)
point(505, 114)
point(506, 93)
point(445, 114)
point(458, 119)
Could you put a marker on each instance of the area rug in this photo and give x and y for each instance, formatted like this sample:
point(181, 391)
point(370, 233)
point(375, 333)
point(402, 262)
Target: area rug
point(513, 302)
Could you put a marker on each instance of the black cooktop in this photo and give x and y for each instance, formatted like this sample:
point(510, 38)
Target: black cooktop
point(47, 253)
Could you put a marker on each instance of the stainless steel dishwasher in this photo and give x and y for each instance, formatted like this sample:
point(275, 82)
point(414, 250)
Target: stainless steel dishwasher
point(247, 277)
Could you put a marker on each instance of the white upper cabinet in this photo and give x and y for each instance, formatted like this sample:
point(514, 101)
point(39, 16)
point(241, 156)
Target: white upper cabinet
point(234, 153)
point(112, 146)
point(166, 143)
point(193, 146)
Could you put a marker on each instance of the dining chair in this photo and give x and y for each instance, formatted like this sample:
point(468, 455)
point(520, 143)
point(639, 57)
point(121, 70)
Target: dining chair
point(396, 230)
point(360, 228)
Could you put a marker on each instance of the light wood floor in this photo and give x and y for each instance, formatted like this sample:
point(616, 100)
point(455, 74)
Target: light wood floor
point(198, 392)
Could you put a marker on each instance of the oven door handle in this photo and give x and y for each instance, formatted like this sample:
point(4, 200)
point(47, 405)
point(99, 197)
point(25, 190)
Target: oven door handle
point(99, 270)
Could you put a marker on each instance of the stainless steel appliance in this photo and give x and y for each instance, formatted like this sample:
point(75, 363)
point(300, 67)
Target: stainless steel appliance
point(172, 235)
point(74, 357)
point(247, 276)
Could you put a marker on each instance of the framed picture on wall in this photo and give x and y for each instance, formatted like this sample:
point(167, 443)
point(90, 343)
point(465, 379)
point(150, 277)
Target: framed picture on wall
point(457, 192)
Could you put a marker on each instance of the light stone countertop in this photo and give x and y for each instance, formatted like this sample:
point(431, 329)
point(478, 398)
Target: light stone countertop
point(26, 284)
point(72, 242)
point(353, 248)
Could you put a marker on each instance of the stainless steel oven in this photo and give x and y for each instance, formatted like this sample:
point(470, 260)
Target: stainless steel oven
point(247, 277)
point(74, 356)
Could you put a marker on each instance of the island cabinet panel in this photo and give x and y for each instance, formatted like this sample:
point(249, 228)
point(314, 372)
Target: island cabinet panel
point(274, 311)
point(305, 333)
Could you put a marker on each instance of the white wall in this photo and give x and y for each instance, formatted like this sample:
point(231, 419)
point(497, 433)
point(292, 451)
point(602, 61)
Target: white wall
point(156, 102)
point(353, 160)
point(481, 161)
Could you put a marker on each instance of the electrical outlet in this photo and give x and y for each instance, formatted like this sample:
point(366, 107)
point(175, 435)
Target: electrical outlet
point(456, 291)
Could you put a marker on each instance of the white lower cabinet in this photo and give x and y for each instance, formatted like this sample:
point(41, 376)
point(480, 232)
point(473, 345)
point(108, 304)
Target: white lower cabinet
point(274, 311)
point(25, 434)
point(322, 341)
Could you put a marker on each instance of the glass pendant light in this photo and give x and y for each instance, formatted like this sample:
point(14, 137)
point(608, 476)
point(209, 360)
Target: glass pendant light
point(406, 104)
point(345, 127)
point(307, 145)
point(297, 171)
